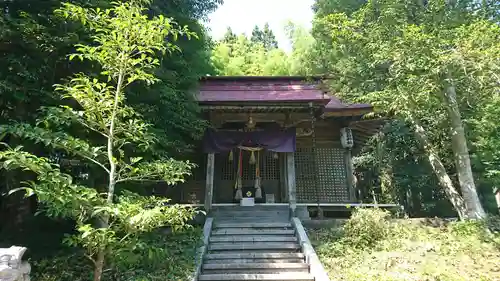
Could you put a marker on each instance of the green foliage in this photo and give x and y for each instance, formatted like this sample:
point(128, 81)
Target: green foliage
point(155, 256)
point(403, 57)
point(34, 51)
point(169, 104)
point(469, 228)
point(60, 195)
point(260, 55)
point(325, 7)
point(302, 55)
point(265, 37)
point(124, 45)
point(412, 250)
point(229, 37)
point(366, 227)
point(392, 167)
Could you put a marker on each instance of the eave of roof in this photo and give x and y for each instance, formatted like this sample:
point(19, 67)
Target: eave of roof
point(335, 105)
point(248, 91)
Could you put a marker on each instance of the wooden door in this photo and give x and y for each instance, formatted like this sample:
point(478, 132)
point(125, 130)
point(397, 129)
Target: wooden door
point(225, 176)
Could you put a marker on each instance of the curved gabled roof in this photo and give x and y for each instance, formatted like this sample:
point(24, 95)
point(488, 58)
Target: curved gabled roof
point(270, 89)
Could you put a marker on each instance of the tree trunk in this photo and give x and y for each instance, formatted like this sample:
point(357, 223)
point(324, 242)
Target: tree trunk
point(99, 265)
point(104, 223)
point(437, 166)
point(497, 197)
point(461, 155)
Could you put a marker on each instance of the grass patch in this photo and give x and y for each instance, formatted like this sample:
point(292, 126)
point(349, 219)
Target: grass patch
point(158, 257)
point(372, 247)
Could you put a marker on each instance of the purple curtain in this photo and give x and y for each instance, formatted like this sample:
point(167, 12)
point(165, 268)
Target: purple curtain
point(223, 141)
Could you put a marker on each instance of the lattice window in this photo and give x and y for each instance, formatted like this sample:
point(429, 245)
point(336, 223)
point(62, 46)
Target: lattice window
point(304, 175)
point(332, 175)
point(248, 169)
point(329, 172)
point(269, 166)
point(226, 170)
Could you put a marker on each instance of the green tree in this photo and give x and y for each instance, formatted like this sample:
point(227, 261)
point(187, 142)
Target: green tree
point(33, 55)
point(276, 63)
point(418, 61)
point(303, 43)
point(268, 38)
point(264, 36)
point(323, 8)
point(229, 36)
point(245, 57)
point(257, 35)
point(124, 45)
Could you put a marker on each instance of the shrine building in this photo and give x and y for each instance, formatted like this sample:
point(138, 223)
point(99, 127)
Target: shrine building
point(276, 140)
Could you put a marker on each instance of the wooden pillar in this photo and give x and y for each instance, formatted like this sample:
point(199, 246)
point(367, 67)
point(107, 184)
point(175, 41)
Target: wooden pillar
point(290, 175)
point(349, 171)
point(283, 178)
point(209, 188)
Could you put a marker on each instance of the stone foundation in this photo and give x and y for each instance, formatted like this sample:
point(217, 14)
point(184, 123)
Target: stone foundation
point(12, 268)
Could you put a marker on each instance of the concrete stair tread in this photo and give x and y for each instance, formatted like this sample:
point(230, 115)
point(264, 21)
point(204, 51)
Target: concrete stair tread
point(242, 218)
point(250, 214)
point(253, 246)
point(253, 238)
point(265, 207)
point(252, 231)
point(255, 266)
point(288, 276)
point(254, 225)
point(250, 260)
point(236, 255)
point(253, 243)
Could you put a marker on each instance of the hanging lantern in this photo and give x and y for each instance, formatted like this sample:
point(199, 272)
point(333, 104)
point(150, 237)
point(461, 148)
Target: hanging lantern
point(275, 155)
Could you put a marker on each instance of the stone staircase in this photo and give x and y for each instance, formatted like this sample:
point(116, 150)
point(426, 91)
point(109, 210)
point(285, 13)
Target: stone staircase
point(253, 243)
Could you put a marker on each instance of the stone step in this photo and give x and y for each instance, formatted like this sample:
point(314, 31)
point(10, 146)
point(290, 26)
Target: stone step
point(252, 231)
point(277, 267)
point(266, 207)
point(253, 246)
point(249, 209)
point(250, 213)
point(256, 218)
point(251, 219)
point(245, 255)
point(253, 238)
point(288, 276)
point(255, 271)
point(253, 225)
point(277, 260)
point(282, 250)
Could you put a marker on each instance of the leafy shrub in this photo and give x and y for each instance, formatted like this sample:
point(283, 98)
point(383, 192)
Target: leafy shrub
point(468, 228)
point(366, 227)
point(493, 223)
point(458, 251)
point(157, 256)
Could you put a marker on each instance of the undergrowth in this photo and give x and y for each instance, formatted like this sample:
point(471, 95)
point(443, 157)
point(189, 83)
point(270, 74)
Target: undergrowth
point(157, 256)
point(373, 247)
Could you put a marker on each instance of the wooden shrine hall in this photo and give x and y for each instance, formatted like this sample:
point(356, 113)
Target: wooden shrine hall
point(279, 140)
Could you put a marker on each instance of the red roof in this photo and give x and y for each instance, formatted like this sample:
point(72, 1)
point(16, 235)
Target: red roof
point(223, 89)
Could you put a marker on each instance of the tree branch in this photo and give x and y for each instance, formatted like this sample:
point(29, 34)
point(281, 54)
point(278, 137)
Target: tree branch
point(96, 162)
